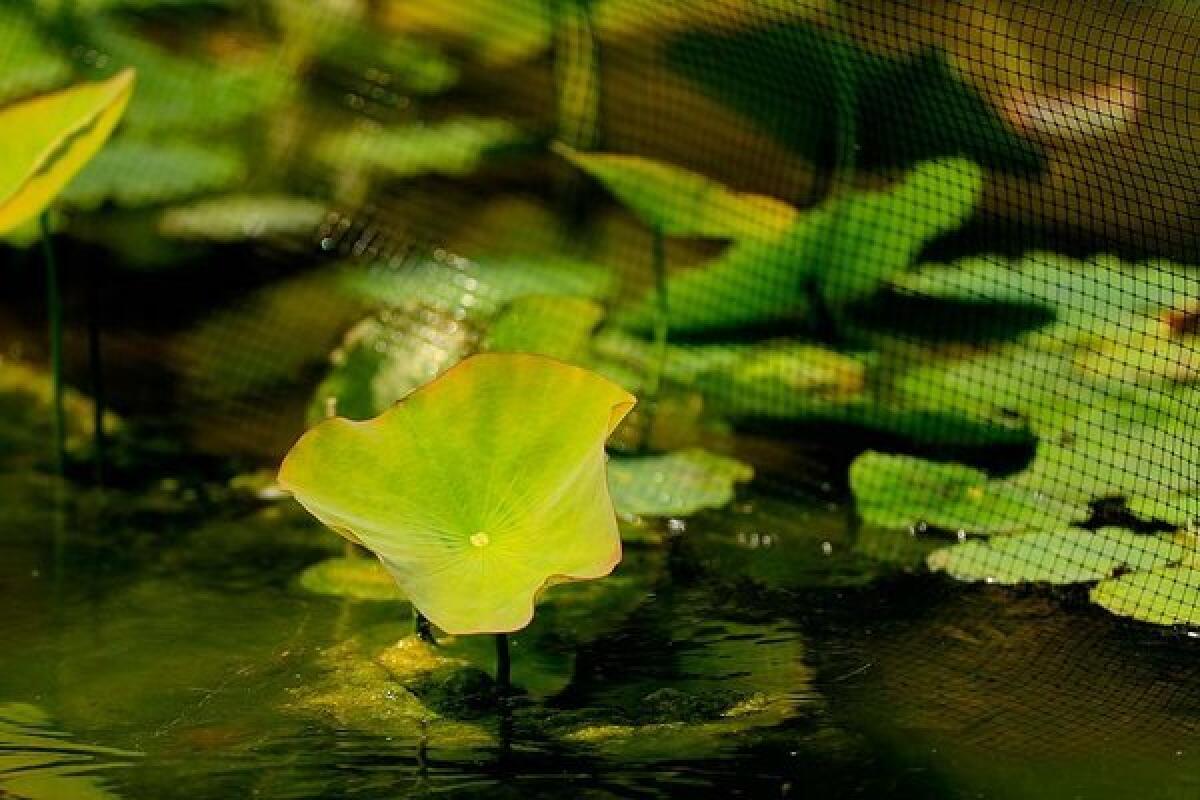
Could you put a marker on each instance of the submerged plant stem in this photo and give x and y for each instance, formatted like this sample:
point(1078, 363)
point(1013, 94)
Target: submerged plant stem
point(658, 263)
point(503, 666)
point(54, 304)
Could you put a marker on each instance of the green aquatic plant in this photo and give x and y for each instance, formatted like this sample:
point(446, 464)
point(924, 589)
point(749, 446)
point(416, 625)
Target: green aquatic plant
point(476, 491)
point(47, 140)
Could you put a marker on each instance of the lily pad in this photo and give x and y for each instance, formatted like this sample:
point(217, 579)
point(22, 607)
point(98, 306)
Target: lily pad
point(453, 148)
point(675, 484)
point(845, 248)
point(362, 578)
point(1060, 556)
point(477, 490)
point(1169, 596)
point(240, 217)
point(903, 492)
point(47, 140)
point(133, 174)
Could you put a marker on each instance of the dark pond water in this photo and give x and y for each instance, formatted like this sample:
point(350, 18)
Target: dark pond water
point(158, 646)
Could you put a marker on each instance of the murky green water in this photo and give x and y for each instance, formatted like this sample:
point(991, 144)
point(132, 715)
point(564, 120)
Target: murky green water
point(157, 645)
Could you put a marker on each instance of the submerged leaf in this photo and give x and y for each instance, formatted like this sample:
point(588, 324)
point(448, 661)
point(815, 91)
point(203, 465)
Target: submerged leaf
point(1060, 556)
point(675, 484)
point(1169, 596)
point(477, 490)
point(47, 140)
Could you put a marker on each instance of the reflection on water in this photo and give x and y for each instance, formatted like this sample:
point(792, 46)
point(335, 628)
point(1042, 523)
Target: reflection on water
point(770, 650)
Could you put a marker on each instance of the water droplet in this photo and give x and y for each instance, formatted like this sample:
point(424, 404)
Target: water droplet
point(480, 539)
point(676, 525)
point(962, 535)
point(827, 548)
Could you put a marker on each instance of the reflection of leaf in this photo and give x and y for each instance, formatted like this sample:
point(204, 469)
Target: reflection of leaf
point(903, 492)
point(27, 63)
point(1169, 596)
point(135, 174)
point(48, 139)
point(454, 148)
point(236, 217)
point(477, 489)
point(362, 578)
point(1059, 556)
point(38, 762)
point(674, 484)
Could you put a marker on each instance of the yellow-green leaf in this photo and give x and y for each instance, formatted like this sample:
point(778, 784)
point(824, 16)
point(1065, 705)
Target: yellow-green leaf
point(477, 490)
point(48, 139)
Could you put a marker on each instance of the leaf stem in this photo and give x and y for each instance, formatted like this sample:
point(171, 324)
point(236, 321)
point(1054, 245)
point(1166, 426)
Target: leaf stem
point(503, 666)
point(658, 263)
point(422, 627)
point(54, 304)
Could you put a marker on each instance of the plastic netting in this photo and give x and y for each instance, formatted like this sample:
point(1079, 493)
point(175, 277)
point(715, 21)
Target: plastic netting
point(944, 251)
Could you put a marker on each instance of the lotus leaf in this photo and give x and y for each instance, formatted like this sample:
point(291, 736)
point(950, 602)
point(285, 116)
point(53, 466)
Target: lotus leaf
point(360, 578)
point(1167, 596)
point(902, 492)
point(675, 484)
point(477, 490)
point(454, 148)
point(1060, 556)
point(47, 140)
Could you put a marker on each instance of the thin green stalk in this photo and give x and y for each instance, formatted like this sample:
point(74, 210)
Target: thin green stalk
point(96, 367)
point(658, 264)
point(503, 666)
point(54, 303)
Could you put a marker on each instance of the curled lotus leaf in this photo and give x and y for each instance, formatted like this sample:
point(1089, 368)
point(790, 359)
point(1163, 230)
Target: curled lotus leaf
point(48, 139)
point(477, 490)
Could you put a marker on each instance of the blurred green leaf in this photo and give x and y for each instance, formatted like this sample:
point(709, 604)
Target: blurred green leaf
point(28, 63)
point(550, 325)
point(453, 148)
point(136, 174)
point(237, 217)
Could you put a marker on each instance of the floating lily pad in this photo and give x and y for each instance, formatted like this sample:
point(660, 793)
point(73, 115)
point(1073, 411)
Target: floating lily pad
point(675, 484)
point(47, 140)
point(362, 578)
point(1169, 596)
point(1060, 556)
point(134, 174)
point(238, 217)
point(549, 325)
point(454, 148)
point(902, 492)
point(477, 490)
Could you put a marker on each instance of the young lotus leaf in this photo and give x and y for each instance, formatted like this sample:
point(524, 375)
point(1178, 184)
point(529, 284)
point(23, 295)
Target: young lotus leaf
point(675, 484)
point(893, 491)
point(1062, 556)
point(477, 490)
point(47, 140)
point(1168, 596)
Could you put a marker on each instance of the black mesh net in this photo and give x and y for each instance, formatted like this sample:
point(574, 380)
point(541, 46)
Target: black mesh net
point(926, 270)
